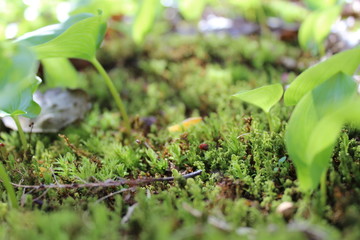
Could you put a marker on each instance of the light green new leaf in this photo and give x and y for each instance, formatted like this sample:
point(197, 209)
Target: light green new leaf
point(264, 97)
point(144, 20)
point(346, 62)
point(316, 27)
point(192, 10)
point(17, 81)
point(59, 72)
point(78, 37)
point(321, 4)
point(315, 124)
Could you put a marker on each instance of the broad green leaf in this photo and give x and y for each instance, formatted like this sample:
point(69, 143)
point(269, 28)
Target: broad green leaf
point(192, 10)
point(22, 100)
point(59, 72)
point(316, 27)
point(315, 124)
point(17, 80)
point(78, 37)
point(347, 62)
point(47, 33)
point(144, 20)
point(264, 97)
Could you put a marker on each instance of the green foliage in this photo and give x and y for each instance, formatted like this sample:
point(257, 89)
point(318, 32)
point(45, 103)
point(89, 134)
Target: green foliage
point(144, 19)
point(264, 97)
point(315, 124)
point(321, 4)
point(59, 72)
point(78, 37)
point(245, 173)
point(316, 27)
point(17, 81)
point(346, 62)
point(9, 188)
point(288, 11)
point(192, 10)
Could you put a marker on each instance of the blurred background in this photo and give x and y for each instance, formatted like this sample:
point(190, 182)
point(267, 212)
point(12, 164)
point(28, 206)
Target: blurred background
point(316, 19)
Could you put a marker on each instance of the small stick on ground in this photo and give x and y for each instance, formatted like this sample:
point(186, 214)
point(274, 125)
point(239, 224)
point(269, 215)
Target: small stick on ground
point(107, 183)
point(128, 214)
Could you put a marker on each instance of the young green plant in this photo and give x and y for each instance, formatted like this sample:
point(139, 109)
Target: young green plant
point(78, 37)
point(315, 124)
point(18, 84)
point(264, 97)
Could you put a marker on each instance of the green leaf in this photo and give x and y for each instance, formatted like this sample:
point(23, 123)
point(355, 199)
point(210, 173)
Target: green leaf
point(9, 188)
point(192, 10)
point(78, 37)
point(17, 80)
point(346, 62)
point(320, 4)
point(144, 20)
point(315, 124)
point(59, 72)
point(22, 100)
point(316, 27)
point(264, 97)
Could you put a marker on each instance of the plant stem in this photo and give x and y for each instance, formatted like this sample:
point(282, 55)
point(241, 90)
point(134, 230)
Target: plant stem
point(323, 193)
point(268, 116)
point(9, 188)
point(114, 93)
point(21, 132)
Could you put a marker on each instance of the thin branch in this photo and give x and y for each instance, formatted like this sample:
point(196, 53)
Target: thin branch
point(129, 213)
point(114, 193)
point(107, 183)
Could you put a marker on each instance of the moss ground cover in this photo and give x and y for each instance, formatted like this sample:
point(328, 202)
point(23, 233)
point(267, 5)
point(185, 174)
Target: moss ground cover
point(246, 172)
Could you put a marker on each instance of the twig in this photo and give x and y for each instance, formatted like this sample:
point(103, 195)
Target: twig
point(107, 183)
point(128, 214)
point(43, 194)
point(114, 193)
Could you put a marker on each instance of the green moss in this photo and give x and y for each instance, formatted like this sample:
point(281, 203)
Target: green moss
point(246, 170)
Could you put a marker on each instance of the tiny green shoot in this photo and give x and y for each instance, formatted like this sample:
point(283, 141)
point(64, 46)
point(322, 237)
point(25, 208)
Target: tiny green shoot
point(264, 97)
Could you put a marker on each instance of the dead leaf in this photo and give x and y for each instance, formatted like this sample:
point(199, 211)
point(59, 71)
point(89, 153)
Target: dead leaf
point(185, 124)
point(59, 108)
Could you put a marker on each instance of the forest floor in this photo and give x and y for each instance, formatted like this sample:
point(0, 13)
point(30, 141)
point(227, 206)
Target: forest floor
point(246, 175)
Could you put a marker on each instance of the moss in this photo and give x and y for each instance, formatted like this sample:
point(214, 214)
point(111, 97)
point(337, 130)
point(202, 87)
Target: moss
point(246, 170)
